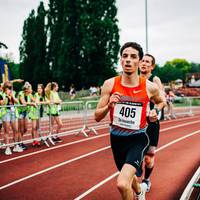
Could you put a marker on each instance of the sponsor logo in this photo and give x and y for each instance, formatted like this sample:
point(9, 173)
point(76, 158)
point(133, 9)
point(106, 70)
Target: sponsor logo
point(136, 91)
point(137, 163)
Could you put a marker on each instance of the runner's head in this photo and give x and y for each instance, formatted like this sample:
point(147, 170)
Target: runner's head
point(133, 45)
point(131, 54)
point(148, 64)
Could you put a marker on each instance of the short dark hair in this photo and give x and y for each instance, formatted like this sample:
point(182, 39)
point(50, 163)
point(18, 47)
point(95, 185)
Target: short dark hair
point(134, 45)
point(153, 58)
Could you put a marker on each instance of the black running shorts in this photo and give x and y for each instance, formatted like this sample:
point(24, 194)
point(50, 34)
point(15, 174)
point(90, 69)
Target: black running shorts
point(130, 150)
point(153, 130)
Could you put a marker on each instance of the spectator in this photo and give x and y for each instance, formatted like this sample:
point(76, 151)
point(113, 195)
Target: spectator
point(9, 117)
point(170, 107)
point(72, 91)
point(26, 100)
point(93, 91)
point(51, 92)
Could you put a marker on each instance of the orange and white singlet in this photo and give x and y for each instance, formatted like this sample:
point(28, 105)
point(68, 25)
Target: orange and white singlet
point(130, 112)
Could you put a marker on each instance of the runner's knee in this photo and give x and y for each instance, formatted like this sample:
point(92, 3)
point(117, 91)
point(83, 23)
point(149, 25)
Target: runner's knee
point(149, 160)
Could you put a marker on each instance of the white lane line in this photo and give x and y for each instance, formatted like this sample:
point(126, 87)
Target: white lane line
point(52, 148)
point(83, 156)
point(104, 124)
point(53, 167)
point(96, 186)
point(83, 140)
point(186, 195)
point(177, 120)
point(116, 173)
point(180, 125)
point(80, 157)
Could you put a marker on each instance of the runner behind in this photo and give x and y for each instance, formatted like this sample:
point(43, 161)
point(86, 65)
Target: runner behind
point(146, 67)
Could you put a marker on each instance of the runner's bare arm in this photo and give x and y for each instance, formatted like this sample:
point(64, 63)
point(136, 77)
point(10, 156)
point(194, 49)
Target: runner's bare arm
point(157, 81)
point(106, 101)
point(157, 96)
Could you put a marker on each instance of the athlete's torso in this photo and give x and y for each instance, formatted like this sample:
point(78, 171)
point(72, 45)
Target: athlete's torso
point(130, 112)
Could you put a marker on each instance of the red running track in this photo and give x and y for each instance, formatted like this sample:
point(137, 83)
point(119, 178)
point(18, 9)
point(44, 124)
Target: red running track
point(82, 168)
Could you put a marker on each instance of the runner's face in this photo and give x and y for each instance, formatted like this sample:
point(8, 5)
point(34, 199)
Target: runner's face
point(130, 60)
point(146, 65)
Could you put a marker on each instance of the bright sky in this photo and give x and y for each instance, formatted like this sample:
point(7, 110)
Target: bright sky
point(173, 26)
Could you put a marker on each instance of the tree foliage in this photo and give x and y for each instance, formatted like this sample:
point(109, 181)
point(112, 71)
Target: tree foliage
point(27, 45)
point(77, 41)
point(79, 44)
point(175, 69)
point(33, 48)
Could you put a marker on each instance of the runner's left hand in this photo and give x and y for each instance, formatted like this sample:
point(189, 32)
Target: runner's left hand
point(153, 115)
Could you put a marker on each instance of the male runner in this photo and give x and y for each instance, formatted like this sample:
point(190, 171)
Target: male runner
point(126, 98)
point(146, 68)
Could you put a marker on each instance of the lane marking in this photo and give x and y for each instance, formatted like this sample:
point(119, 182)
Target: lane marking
point(115, 174)
point(70, 131)
point(53, 167)
point(83, 140)
point(86, 155)
point(52, 148)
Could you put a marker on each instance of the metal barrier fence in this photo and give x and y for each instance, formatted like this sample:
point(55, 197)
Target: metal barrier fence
point(72, 115)
point(88, 107)
point(185, 106)
point(78, 118)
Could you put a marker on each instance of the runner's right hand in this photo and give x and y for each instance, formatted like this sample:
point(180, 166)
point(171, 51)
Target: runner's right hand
point(114, 98)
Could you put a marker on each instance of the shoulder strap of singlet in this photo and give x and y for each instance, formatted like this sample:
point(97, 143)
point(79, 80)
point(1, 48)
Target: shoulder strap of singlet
point(142, 82)
point(151, 77)
point(117, 81)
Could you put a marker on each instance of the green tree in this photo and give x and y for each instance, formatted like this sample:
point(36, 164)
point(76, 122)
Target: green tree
point(41, 69)
point(195, 68)
point(55, 36)
point(88, 54)
point(100, 44)
point(168, 73)
point(175, 69)
point(183, 66)
point(69, 70)
point(81, 39)
point(33, 48)
point(27, 45)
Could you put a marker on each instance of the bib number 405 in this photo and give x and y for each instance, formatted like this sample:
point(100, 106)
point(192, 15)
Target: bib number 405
point(127, 112)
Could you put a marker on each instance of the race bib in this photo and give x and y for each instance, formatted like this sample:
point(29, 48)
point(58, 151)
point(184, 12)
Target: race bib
point(127, 115)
